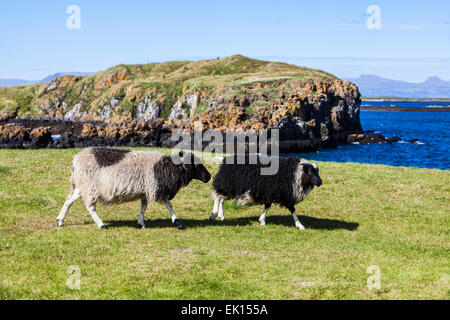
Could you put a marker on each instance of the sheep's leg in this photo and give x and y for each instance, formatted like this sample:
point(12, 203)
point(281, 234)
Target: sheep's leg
point(262, 219)
point(175, 220)
point(221, 214)
point(216, 208)
point(97, 220)
point(141, 220)
point(72, 197)
point(297, 222)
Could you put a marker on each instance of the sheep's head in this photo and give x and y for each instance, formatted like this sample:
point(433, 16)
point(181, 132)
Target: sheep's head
point(193, 164)
point(311, 175)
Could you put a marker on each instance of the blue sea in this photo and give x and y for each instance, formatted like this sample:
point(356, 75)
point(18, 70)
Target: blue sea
point(431, 151)
point(407, 104)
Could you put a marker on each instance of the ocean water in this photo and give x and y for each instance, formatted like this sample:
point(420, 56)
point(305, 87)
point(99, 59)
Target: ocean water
point(407, 104)
point(431, 151)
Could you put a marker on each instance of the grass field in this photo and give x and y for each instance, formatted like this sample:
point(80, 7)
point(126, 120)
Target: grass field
point(394, 218)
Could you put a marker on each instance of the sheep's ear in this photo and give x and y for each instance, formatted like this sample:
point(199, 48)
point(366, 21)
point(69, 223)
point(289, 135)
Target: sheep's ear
point(305, 176)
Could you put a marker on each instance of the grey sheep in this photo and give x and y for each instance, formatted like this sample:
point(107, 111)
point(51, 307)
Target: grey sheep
point(112, 176)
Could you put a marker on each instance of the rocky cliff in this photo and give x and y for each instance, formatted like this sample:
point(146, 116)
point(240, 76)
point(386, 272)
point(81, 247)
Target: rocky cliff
point(142, 104)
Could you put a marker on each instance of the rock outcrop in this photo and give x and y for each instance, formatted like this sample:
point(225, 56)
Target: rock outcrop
point(28, 133)
point(147, 109)
point(370, 138)
point(310, 108)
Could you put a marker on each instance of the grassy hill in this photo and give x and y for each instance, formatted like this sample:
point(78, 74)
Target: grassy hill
point(166, 82)
point(393, 218)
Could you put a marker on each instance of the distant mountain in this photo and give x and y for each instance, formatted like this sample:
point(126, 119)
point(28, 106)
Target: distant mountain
point(20, 82)
point(60, 74)
point(371, 85)
point(13, 82)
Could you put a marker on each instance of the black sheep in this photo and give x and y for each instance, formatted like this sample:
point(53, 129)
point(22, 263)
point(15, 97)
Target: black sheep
point(293, 181)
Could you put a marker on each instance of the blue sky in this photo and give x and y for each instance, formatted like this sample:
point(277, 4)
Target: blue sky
point(413, 43)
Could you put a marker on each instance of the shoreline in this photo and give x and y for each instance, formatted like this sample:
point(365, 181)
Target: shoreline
point(35, 133)
point(382, 99)
point(420, 109)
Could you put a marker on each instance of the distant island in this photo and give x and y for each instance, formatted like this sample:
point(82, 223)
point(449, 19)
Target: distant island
point(413, 109)
point(405, 99)
point(143, 104)
point(375, 86)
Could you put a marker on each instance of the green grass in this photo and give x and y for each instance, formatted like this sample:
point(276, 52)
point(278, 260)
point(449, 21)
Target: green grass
point(19, 98)
point(393, 217)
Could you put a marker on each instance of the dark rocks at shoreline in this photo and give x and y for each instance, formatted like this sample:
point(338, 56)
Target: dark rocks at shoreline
point(46, 133)
point(377, 138)
point(370, 138)
point(33, 133)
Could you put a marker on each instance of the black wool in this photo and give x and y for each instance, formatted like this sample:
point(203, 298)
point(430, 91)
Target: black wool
point(106, 157)
point(170, 178)
point(234, 180)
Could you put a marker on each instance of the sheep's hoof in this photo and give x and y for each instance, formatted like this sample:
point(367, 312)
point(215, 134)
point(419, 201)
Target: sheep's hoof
point(299, 226)
point(212, 217)
point(141, 225)
point(222, 218)
point(103, 227)
point(59, 223)
point(178, 224)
